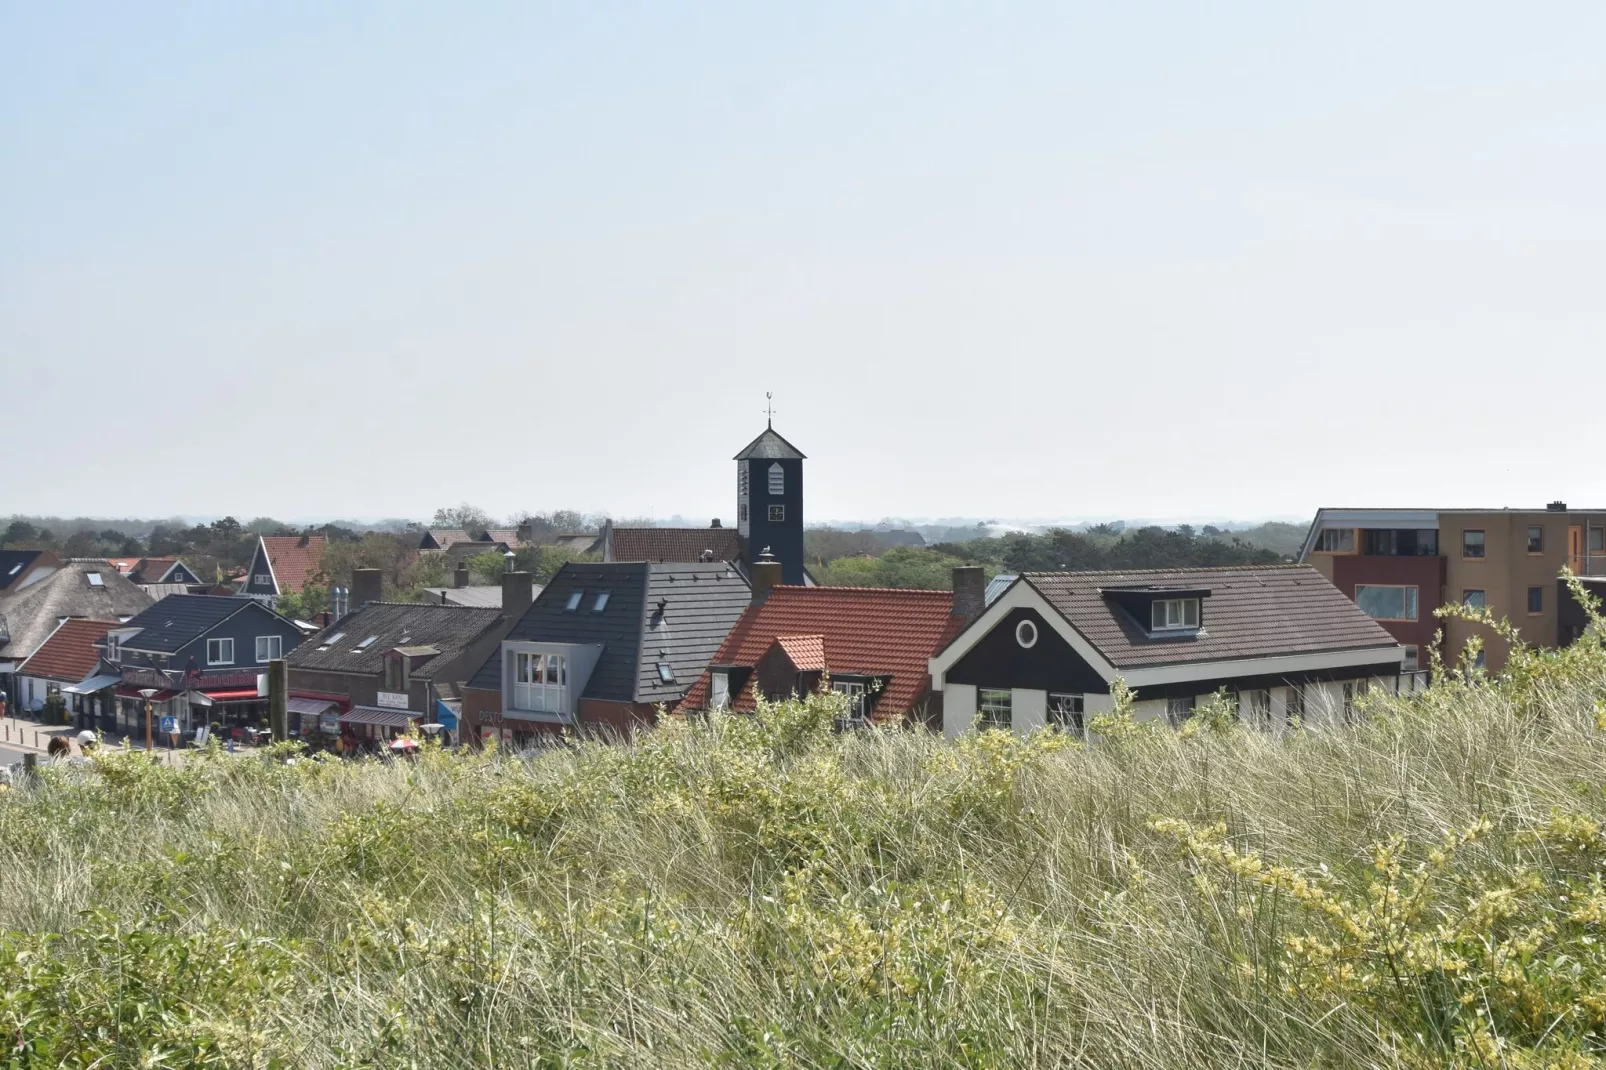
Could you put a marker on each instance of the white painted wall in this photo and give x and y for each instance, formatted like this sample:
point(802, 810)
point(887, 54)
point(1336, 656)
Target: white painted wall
point(958, 709)
point(1028, 710)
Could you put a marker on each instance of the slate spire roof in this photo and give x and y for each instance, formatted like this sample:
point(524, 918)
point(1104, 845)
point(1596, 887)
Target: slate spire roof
point(770, 447)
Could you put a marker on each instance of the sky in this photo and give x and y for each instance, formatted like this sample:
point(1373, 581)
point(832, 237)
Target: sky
point(1069, 259)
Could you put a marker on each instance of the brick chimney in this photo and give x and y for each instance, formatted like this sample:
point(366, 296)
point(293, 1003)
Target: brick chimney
point(970, 591)
point(460, 575)
point(518, 591)
point(367, 585)
point(766, 574)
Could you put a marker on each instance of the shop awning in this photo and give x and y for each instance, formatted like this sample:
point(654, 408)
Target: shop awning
point(133, 692)
point(233, 695)
point(308, 707)
point(91, 685)
point(375, 715)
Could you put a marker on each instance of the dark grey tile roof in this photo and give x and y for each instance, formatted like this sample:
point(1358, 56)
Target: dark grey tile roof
point(14, 565)
point(770, 447)
point(179, 619)
point(1251, 613)
point(448, 629)
point(31, 614)
point(700, 602)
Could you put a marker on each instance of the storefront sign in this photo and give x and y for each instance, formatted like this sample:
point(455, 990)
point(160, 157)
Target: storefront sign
point(392, 700)
point(173, 678)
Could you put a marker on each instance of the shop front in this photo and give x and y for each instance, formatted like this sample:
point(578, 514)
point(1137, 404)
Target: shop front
point(370, 729)
point(231, 699)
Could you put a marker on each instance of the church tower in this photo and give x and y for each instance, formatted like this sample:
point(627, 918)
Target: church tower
point(769, 502)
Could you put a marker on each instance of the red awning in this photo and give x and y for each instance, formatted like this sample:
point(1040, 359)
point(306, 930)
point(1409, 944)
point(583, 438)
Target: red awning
point(133, 692)
point(232, 696)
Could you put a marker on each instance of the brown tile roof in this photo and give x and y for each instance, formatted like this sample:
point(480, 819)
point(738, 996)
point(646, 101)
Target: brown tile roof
point(510, 536)
point(805, 652)
point(861, 630)
point(69, 654)
point(1251, 613)
point(294, 558)
point(675, 544)
point(444, 537)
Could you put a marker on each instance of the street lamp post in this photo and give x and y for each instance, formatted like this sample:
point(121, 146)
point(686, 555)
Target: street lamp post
point(150, 742)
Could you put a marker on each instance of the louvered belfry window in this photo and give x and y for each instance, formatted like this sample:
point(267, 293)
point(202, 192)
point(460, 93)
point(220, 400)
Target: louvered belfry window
point(777, 479)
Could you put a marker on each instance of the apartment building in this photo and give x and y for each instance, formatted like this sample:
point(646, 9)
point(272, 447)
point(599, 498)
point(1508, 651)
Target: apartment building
point(1399, 565)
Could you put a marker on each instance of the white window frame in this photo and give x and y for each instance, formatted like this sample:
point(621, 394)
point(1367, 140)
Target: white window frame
point(1410, 603)
point(263, 579)
point(1026, 634)
point(994, 709)
point(1067, 713)
point(1172, 614)
point(114, 651)
point(719, 690)
point(777, 478)
point(540, 681)
point(222, 645)
point(1178, 710)
point(1336, 541)
point(855, 690)
point(275, 648)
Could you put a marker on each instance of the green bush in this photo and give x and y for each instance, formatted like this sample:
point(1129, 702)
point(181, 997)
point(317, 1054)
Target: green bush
point(1420, 889)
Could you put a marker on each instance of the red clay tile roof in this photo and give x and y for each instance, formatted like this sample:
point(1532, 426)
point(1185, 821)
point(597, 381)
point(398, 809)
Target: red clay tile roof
point(69, 654)
point(862, 630)
point(805, 652)
point(292, 562)
point(675, 544)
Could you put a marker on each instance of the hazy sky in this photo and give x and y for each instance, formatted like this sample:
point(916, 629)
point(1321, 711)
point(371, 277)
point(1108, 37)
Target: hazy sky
point(993, 260)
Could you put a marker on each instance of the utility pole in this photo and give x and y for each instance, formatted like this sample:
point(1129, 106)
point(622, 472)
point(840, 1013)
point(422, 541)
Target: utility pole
point(279, 699)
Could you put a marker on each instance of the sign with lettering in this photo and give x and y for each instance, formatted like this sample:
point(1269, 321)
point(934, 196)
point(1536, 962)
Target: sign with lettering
point(173, 678)
point(392, 700)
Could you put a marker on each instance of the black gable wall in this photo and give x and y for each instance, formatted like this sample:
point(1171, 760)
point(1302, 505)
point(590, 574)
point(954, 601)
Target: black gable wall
point(1051, 665)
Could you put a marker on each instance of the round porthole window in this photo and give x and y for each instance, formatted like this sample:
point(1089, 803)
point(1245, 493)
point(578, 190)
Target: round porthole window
point(1026, 634)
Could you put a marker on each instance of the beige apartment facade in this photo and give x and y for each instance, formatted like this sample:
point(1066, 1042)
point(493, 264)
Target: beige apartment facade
point(1509, 560)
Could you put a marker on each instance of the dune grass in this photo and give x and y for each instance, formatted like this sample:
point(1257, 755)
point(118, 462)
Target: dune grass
point(1419, 889)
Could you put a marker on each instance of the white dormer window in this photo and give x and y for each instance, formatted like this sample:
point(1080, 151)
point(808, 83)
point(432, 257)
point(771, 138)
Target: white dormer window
point(719, 691)
point(263, 579)
point(113, 655)
point(777, 479)
point(1170, 614)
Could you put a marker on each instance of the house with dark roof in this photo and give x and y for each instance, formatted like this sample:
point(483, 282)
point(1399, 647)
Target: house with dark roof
point(1281, 640)
point(869, 644)
point(602, 648)
point(387, 663)
point(199, 655)
point(282, 564)
point(21, 568)
point(87, 588)
point(151, 571)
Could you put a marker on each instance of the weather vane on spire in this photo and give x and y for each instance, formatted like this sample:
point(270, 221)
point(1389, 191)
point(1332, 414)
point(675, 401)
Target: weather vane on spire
point(769, 410)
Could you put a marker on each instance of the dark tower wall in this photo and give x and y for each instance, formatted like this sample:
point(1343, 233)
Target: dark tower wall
point(783, 536)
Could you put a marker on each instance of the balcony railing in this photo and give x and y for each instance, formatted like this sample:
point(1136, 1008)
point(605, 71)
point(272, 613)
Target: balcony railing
point(1588, 564)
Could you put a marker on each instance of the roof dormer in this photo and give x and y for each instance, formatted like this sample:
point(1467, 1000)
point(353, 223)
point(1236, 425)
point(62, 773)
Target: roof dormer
point(1162, 612)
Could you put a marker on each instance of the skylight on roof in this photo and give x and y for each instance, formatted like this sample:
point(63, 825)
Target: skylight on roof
point(368, 642)
point(95, 580)
point(666, 673)
point(574, 600)
point(602, 601)
point(15, 569)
